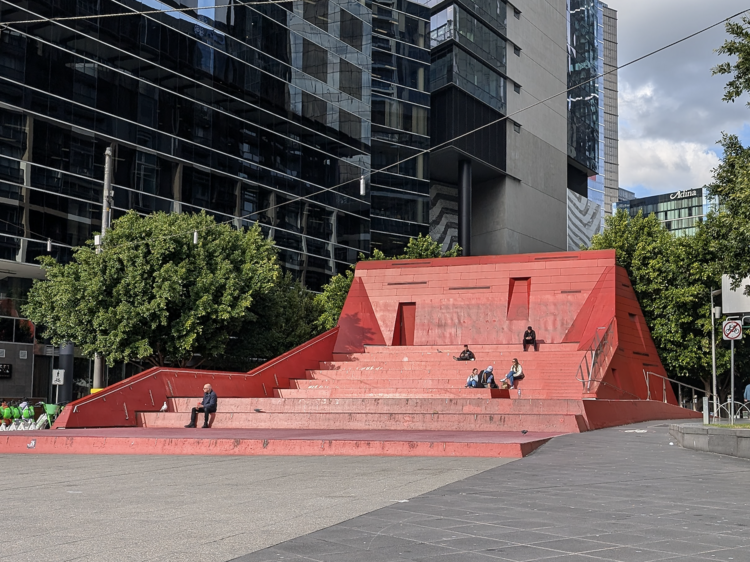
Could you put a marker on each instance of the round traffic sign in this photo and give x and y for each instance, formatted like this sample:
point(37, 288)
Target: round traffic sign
point(732, 330)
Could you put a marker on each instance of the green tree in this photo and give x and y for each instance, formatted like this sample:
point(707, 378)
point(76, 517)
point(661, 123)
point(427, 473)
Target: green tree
point(424, 247)
point(331, 300)
point(151, 293)
point(737, 46)
point(729, 226)
point(672, 278)
point(281, 319)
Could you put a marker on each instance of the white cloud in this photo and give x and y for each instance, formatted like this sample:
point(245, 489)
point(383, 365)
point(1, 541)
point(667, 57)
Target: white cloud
point(670, 106)
point(661, 165)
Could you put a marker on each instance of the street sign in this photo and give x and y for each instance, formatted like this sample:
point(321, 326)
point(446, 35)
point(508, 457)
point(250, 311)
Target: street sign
point(58, 376)
point(732, 330)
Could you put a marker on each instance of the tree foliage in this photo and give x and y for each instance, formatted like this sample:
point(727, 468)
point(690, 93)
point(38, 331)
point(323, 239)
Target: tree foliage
point(281, 319)
point(331, 300)
point(151, 293)
point(424, 247)
point(737, 46)
point(729, 226)
point(672, 278)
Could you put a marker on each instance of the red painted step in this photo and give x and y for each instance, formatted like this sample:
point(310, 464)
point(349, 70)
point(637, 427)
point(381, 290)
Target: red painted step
point(162, 441)
point(410, 421)
point(472, 405)
point(486, 393)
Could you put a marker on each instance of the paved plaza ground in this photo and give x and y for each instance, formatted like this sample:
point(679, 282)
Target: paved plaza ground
point(613, 494)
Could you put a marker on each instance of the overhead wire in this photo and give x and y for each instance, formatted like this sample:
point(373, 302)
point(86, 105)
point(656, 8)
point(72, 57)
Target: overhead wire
point(370, 173)
point(491, 123)
point(60, 19)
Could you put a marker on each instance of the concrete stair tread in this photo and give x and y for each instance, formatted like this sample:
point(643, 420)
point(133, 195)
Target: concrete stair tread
point(560, 422)
point(386, 405)
point(250, 441)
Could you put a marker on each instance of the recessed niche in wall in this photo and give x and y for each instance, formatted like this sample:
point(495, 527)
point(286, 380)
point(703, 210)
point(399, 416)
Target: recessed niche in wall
point(518, 298)
point(23, 354)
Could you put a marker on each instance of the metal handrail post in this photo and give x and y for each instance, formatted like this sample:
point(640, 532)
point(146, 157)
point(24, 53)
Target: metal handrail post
point(679, 391)
point(694, 403)
point(664, 390)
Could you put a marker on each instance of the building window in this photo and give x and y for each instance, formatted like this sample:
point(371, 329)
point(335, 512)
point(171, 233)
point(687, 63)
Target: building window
point(314, 60)
point(517, 88)
point(517, 50)
point(516, 127)
point(517, 13)
point(350, 125)
point(316, 12)
point(314, 108)
point(350, 79)
point(351, 30)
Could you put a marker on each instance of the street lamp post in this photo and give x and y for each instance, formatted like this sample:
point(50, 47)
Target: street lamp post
point(98, 380)
point(713, 351)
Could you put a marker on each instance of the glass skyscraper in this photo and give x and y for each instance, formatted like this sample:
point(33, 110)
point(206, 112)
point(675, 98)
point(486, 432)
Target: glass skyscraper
point(236, 111)
point(400, 124)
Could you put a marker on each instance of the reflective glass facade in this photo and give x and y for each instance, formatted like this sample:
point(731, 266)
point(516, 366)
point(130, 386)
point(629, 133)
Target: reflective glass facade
point(469, 54)
point(234, 111)
point(400, 124)
point(680, 212)
point(585, 62)
point(596, 184)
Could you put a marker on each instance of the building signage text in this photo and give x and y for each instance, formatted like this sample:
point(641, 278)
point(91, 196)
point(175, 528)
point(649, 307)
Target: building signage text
point(685, 193)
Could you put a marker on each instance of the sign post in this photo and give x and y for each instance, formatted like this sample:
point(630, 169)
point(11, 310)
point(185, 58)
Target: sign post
point(58, 379)
point(732, 330)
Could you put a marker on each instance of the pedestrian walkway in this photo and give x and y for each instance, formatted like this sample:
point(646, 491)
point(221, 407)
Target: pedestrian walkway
point(622, 494)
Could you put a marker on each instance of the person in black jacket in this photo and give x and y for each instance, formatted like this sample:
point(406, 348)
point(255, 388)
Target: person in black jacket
point(529, 339)
point(466, 355)
point(207, 406)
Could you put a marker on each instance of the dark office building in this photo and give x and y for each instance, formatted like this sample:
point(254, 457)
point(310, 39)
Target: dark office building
point(232, 110)
point(469, 89)
point(400, 124)
point(680, 212)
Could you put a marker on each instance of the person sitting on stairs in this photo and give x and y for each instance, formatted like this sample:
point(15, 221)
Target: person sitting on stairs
point(473, 380)
point(529, 339)
point(515, 373)
point(466, 355)
point(487, 378)
point(207, 406)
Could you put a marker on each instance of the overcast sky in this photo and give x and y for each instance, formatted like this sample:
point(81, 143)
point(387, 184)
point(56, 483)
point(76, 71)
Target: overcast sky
point(671, 113)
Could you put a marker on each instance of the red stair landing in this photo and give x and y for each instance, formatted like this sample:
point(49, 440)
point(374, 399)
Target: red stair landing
point(384, 381)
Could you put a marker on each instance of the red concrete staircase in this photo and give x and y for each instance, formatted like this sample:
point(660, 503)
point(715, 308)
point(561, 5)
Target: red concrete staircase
point(383, 382)
point(411, 388)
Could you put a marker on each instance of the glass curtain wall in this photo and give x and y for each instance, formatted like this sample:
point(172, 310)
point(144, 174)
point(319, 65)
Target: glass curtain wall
point(585, 61)
point(400, 124)
point(479, 67)
point(235, 110)
point(679, 212)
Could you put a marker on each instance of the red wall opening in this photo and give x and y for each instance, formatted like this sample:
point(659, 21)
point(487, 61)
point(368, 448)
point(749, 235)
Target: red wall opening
point(403, 332)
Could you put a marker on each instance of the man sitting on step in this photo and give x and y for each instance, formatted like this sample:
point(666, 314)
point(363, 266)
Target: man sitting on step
point(207, 406)
point(529, 339)
point(466, 355)
point(487, 378)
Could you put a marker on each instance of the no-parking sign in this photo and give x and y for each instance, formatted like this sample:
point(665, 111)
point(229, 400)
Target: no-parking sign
point(732, 330)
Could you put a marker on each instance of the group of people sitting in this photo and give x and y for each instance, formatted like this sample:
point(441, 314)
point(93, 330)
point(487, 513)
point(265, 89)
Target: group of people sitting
point(486, 378)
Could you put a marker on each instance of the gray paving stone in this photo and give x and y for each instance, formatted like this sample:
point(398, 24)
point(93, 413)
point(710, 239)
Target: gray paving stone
point(631, 554)
point(604, 495)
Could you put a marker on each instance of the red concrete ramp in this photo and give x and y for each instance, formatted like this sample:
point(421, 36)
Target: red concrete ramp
point(385, 381)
